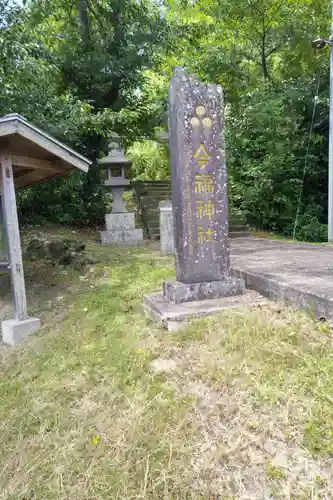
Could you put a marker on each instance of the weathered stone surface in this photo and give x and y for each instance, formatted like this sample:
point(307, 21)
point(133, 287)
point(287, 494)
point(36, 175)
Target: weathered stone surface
point(120, 230)
point(118, 205)
point(57, 249)
point(199, 180)
point(61, 251)
point(14, 331)
point(120, 222)
point(199, 205)
point(133, 236)
point(171, 316)
point(166, 227)
point(116, 163)
point(122, 237)
point(179, 292)
point(65, 252)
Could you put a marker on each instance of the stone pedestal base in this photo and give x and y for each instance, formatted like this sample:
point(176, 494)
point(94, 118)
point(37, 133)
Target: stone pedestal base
point(14, 331)
point(178, 292)
point(121, 230)
point(182, 302)
point(126, 238)
point(172, 316)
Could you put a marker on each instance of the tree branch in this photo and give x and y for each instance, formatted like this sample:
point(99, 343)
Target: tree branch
point(279, 5)
point(96, 16)
point(274, 49)
point(84, 22)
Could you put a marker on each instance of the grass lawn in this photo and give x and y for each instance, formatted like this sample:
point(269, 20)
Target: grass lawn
point(101, 404)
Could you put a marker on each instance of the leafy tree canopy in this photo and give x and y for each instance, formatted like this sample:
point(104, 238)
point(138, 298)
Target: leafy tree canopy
point(81, 68)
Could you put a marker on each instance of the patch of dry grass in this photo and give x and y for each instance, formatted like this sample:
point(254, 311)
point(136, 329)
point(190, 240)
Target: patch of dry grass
point(102, 404)
point(263, 381)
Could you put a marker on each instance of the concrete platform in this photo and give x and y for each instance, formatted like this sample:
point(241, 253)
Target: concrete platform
point(172, 316)
point(300, 274)
point(15, 331)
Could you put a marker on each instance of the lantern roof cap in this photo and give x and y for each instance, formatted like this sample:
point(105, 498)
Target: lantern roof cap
point(116, 155)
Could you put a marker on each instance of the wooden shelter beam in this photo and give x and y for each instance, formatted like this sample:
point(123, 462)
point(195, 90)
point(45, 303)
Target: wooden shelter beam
point(11, 224)
point(37, 164)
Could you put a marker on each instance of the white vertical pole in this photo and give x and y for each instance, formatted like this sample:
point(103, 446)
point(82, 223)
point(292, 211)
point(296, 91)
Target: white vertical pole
point(330, 154)
point(9, 208)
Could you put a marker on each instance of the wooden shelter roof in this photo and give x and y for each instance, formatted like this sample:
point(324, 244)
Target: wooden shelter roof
point(36, 156)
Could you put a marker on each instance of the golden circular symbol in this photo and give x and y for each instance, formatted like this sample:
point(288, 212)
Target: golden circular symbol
point(201, 111)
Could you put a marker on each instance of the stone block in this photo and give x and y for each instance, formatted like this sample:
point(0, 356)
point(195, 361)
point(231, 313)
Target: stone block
point(179, 293)
point(132, 237)
point(122, 237)
point(166, 227)
point(120, 222)
point(173, 316)
point(14, 331)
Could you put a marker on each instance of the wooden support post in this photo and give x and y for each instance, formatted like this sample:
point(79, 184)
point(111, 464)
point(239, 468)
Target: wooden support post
point(3, 241)
point(9, 208)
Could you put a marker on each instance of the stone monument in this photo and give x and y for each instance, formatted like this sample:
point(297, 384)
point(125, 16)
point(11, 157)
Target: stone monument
point(120, 224)
point(199, 202)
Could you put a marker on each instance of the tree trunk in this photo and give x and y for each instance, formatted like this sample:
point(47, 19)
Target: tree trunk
point(84, 22)
point(264, 57)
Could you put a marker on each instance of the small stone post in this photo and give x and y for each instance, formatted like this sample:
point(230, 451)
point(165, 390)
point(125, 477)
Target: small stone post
point(166, 227)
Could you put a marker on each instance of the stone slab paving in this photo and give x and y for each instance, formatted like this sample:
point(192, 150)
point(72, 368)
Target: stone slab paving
point(297, 273)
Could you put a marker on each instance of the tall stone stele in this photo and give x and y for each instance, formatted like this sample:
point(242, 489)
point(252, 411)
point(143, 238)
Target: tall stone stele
point(203, 284)
point(199, 192)
point(120, 224)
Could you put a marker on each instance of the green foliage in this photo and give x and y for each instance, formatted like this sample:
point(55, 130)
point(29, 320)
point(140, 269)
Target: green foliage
point(150, 161)
point(104, 46)
point(82, 69)
point(310, 229)
point(242, 43)
point(77, 200)
point(269, 148)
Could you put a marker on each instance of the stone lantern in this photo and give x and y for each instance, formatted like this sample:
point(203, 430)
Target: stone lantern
point(120, 224)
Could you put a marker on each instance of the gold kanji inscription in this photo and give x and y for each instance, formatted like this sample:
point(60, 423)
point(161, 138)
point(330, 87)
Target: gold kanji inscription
point(202, 156)
point(210, 208)
point(204, 183)
point(202, 209)
point(205, 235)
